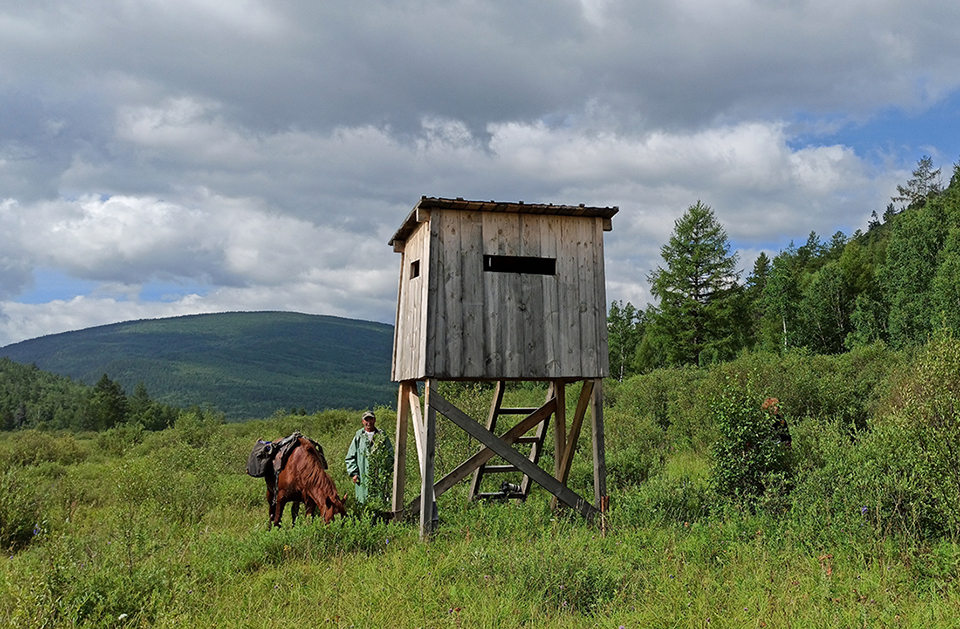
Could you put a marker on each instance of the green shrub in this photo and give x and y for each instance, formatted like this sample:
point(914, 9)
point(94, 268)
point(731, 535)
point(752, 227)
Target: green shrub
point(636, 450)
point(923, 428)
point(118, 440)
point(749, 457)
point(32, 447)
point(197, 426)
point(670, 399)
point(21, 511)
point(865, 486)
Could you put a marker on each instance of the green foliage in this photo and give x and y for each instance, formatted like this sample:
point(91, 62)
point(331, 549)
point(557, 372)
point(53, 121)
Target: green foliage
point(925, 420)
point(750, 459)
point(666, 501)
point(30, 397)
point(625, 326)
point(924, 185)
point(32, 447)
point(197, 426)
point(913, 257)
point(21, 510)
point(108, 405)
point(170, 531)
point(119, 439)
point(697, 290)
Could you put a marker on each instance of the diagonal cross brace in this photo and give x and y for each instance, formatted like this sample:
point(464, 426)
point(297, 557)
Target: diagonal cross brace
point(467, 467)
point(487, 438)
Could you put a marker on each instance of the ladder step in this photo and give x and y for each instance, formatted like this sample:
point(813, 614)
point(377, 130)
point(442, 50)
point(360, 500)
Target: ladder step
point(516, 411)
point(500, 495)
point(527, 440)
point(499, 469)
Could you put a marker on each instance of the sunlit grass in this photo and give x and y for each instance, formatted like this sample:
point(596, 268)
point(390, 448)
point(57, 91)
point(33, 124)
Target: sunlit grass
point(172, 534)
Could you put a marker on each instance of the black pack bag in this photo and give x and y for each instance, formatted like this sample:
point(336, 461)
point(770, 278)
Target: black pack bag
point(260, 459)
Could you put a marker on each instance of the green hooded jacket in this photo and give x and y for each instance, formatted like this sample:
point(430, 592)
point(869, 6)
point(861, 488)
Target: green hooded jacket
point(372, 461)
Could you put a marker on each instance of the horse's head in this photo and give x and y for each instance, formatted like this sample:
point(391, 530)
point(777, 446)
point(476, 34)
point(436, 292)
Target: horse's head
point(333, 505)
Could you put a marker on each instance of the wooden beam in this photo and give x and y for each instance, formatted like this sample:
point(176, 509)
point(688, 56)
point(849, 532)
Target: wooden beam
point(400, 443)
point(464, 469)
point(563, 473)
point(484, 436)
point(413, 403)
point(585, 396)
point(599, 450)
point(427, 499)
point(559, 426)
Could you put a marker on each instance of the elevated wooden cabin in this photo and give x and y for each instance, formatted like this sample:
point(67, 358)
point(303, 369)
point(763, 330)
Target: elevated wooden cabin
point(492, 291)
point(495, 292)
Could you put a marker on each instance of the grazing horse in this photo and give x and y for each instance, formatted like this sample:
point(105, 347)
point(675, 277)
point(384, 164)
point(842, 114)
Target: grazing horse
point(303, 479)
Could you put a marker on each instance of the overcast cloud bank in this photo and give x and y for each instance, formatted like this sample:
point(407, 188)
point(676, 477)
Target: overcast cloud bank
point(165, 158)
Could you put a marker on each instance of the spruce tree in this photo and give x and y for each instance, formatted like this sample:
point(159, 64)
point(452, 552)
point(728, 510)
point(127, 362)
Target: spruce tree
point(697, 289)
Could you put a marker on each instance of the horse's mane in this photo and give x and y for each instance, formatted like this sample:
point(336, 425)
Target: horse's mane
point(312, 467)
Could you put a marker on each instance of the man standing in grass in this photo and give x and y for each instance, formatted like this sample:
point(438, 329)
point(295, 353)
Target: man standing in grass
point(370, 463)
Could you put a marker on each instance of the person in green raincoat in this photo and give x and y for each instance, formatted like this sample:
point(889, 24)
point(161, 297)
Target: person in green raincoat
point(370, 463)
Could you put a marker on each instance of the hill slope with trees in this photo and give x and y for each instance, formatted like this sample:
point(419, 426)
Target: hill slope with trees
point(897, 283)
point(244, 364)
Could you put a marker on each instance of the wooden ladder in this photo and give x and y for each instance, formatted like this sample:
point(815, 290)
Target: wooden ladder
point(536, 448)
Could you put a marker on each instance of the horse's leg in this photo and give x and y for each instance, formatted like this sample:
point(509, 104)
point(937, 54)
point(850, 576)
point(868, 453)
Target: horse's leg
point(270, 502)
point(278, 509)
point(294, 510)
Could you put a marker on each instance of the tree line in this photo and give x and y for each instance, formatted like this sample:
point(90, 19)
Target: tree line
point(32, 398)
point(896, 283)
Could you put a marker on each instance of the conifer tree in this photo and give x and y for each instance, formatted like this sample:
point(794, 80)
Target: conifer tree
point(697, 289)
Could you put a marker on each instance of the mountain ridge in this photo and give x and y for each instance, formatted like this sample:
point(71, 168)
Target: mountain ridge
point(245, 364)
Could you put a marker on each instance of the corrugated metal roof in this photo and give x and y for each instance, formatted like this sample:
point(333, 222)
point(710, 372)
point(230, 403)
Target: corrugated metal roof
point(519, 207)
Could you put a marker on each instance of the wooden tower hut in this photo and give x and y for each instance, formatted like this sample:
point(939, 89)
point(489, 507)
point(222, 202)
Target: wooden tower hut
point(498, 292)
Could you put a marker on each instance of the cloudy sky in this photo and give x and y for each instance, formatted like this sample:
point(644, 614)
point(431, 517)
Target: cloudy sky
point(166, 157)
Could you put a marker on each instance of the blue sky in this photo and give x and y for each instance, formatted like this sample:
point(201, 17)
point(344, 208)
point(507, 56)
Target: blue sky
point(184, 156)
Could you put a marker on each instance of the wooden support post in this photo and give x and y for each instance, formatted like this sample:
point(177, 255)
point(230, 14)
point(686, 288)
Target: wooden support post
point(599, 451)
point(416, 417)
point(427, 499)
point(559, 427)
point(400, 460)
point(586, 395)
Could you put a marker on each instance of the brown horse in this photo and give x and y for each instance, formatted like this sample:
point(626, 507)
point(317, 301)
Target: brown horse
point(303, 479)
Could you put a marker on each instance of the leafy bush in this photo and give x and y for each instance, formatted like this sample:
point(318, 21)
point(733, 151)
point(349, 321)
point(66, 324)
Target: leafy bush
point(670, 399)
point(197, 426)
point(636, 450)
point(923, 427)
point(32, 447)
point(118, 440)
point(750, 456)
point(866, 484)
point(21, 510)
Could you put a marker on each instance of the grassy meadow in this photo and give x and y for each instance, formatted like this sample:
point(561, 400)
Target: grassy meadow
point(855, 524)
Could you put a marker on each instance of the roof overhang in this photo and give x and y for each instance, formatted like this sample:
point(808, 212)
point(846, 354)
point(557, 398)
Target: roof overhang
point(421, 212)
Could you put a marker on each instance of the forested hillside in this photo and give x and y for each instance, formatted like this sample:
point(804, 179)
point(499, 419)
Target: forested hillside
point(897, 282)
point(32, 398)
point(244, 364)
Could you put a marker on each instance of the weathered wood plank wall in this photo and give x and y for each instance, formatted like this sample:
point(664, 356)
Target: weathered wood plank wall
point(457, 321)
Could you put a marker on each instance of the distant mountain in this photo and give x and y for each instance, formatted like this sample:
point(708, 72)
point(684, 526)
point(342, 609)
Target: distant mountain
point(246, 364)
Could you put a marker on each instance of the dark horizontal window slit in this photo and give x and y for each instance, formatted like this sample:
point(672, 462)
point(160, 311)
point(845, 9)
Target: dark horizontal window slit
point(520, 264)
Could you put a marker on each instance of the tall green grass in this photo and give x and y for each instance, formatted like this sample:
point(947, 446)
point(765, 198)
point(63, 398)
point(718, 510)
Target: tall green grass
point(164, 529)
